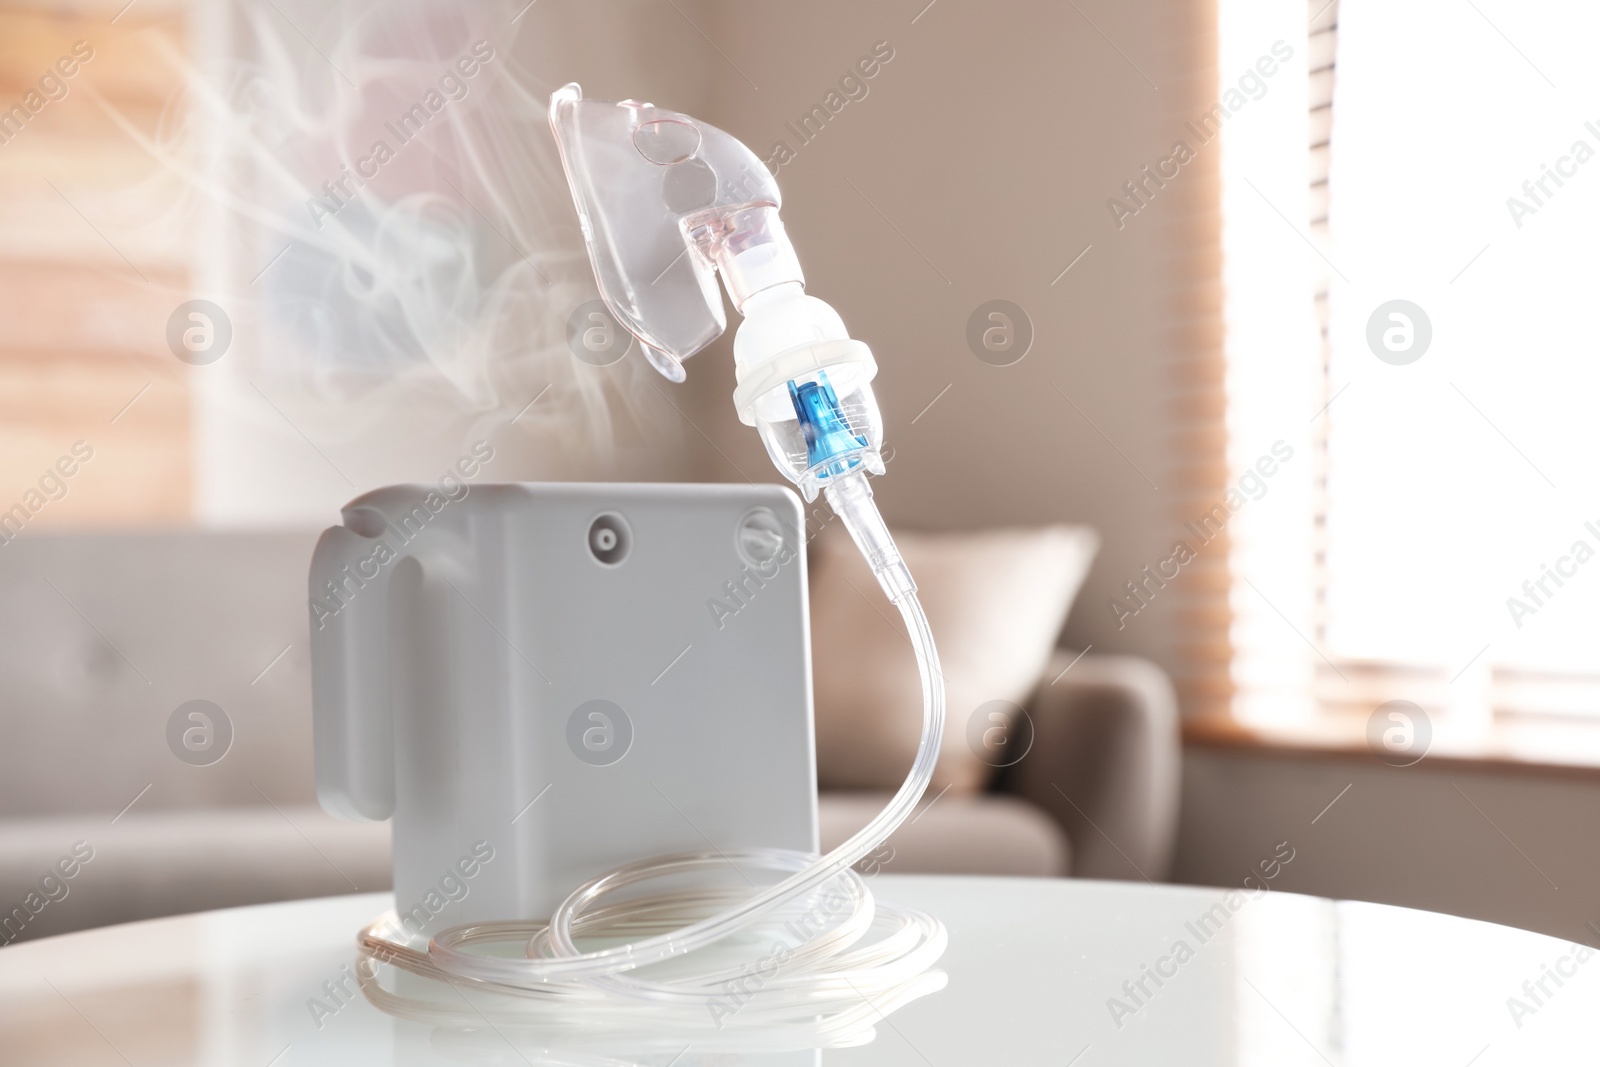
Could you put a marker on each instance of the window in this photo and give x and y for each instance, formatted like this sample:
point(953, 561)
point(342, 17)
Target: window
point(1445, 548)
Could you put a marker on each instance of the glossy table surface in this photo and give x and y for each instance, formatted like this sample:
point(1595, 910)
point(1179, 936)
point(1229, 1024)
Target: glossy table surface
point(1040, 972)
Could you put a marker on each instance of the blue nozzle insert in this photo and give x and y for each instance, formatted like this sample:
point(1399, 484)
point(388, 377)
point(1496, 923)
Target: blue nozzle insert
point(827, 434)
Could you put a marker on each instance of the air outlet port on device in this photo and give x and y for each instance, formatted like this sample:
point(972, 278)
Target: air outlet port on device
point(609, 539)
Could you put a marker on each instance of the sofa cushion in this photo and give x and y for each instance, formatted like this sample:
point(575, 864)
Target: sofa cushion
point(168, 862)
point(996, 601)
point(155, 863)
point(109, 634)
point(983, 834)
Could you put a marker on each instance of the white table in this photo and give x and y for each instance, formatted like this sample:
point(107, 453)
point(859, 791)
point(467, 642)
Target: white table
point(1282, 981)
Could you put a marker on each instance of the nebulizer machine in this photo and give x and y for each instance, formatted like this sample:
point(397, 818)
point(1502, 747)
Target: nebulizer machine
point(667, 204)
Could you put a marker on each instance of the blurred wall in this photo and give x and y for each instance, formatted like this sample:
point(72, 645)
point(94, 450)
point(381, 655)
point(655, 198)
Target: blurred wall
point(1437, 835)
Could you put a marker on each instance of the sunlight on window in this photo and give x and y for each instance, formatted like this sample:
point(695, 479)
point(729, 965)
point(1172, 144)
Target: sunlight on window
point(1268, 271)
point(1463, 526)
point(1453, 556)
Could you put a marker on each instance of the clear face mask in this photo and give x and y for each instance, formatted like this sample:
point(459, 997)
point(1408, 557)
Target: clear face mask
point(668, 204)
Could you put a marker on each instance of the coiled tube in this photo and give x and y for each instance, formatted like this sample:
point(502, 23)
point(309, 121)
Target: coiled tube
point(814, 946)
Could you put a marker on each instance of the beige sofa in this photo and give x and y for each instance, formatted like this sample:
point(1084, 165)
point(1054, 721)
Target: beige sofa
point(104, 635)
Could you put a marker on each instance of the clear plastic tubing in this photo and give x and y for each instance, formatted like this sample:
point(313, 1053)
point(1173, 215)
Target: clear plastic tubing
point(831, 973)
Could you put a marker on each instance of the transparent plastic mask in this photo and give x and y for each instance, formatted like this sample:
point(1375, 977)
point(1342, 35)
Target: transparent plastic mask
point(664, 201)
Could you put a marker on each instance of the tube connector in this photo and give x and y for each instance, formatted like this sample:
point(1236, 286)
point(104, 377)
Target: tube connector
point(851, 499)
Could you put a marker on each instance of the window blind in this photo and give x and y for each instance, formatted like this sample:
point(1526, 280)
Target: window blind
point(1198, 474)
point(87, 281)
